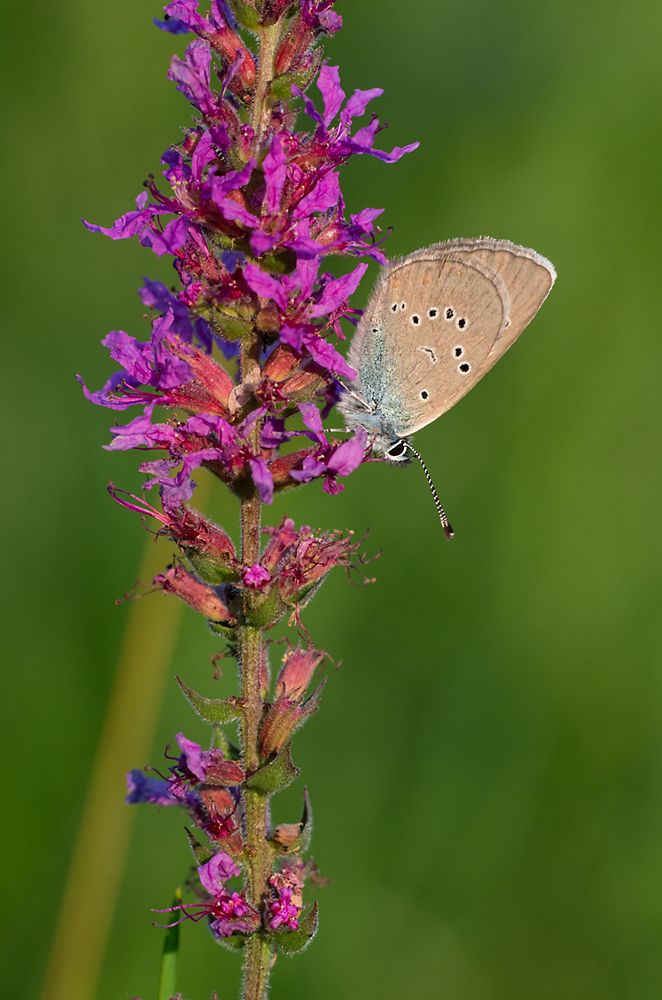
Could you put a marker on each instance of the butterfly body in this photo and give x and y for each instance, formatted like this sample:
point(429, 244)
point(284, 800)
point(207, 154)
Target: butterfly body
point(438, 320)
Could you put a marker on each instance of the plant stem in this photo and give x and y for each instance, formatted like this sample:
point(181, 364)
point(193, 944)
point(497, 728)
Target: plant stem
point(269, 38)
point(258, 950)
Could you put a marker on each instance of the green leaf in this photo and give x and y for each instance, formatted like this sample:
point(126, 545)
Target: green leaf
point(211, 710)
point(201, 854)
point(168, 971)
point(293, 941)
point(280, 773)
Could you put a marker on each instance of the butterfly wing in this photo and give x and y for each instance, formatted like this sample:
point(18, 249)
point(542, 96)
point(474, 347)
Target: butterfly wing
point(437, 323)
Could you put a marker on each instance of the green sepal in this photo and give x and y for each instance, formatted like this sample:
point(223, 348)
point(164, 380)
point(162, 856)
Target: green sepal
point(201, 853)
point(221, 742)
point(283, 262)
point(266, 610)
point(247, 16)
point(210, 709)
point(211, 570)
point(281, 88)
point(168, 970)
point(292, 942)
point(275, 776)
point(230, 327)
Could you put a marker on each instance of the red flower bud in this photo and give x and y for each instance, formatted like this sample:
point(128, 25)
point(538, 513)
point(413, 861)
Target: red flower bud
point(298, 667)
point(195, 593)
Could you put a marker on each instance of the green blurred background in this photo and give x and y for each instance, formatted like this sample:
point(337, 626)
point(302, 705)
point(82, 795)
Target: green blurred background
point(486, 768)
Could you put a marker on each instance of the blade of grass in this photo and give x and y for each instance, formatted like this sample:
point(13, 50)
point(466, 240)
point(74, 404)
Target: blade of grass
point(168, 972)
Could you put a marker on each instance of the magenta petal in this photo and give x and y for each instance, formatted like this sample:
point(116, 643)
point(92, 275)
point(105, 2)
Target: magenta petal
point(338, 290)
point(312, 419)
point(170, 240)
point(323, 196)
point(215, 873)
point(310, 469)
point(203, 154)
point(265, 285)
point(129, 224)
point(358, 102)
point(332, 93)
point(263, 479)
point(262, 242)
point(235, 212)
point(396, 152)
point(365, 218)
point(349, 455)
point(327, 356)
point(193, 756)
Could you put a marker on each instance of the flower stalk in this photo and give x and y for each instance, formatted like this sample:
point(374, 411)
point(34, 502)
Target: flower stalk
point(242, 360)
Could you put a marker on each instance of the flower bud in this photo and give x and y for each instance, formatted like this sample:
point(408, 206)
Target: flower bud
point(204, 600)
point(298, 667)
point(282, 538)
point(283, 717)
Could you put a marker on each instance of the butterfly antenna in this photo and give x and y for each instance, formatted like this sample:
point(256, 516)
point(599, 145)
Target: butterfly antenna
point(445, 523)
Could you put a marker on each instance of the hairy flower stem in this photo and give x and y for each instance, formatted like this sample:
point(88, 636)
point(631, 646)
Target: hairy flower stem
point(258, 951)
point(269, 37)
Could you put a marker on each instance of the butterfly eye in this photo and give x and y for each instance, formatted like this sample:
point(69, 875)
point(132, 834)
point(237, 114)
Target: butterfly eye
point(433, 313)
point(458, 351)
point(397, 450)
point(464, 367)
point(416, 319)
point(462, 323)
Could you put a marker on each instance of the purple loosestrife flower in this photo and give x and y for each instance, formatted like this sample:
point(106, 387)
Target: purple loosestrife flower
point(228, 913)
point(197, 766)
point(286, 907)
point(242, 363)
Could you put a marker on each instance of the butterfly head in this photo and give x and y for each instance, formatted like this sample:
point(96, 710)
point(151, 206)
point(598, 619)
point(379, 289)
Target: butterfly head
point(396, 452)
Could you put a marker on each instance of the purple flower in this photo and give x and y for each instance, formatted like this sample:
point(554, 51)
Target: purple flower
point(140, 788)
point(335, 460)
point(215, 873)
point(286, 907)
point(255, 576)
